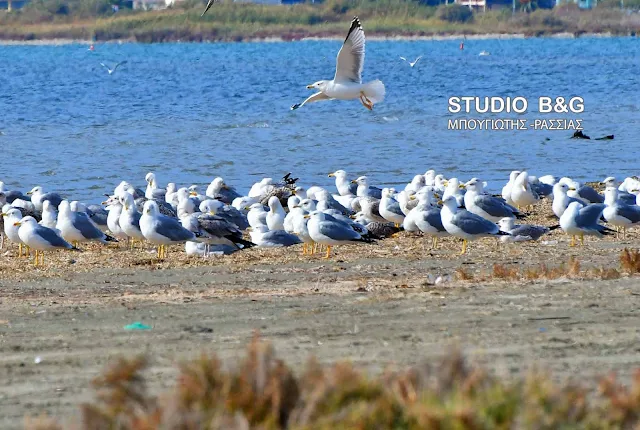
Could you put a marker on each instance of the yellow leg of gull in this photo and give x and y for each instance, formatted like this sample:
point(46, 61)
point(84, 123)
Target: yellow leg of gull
point(573, 241)
point(35, 260)
point(582, 239)
point(19, 250)
point(304, 249)
point(464, 246)
point(328, 251)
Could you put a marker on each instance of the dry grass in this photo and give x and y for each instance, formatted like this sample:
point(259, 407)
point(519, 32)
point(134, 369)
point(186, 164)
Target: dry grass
point(263, 393)
point(630, 260)
point(570, 269)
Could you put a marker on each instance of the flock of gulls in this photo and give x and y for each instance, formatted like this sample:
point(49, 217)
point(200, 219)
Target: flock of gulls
point(282, 213)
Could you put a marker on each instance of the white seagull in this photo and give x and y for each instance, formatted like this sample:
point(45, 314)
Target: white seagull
point(347, 82)
point(112, 71)
point(412, 64)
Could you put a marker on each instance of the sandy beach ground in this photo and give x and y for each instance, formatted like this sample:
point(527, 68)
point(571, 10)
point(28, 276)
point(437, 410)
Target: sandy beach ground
point(372, 304)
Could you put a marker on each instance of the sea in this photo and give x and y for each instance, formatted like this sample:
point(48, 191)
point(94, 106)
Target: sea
point(192, 111)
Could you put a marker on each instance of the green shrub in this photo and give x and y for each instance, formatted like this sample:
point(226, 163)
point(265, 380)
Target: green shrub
point(454, 13)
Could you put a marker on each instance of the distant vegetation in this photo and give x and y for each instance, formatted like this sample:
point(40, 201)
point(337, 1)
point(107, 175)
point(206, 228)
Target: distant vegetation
point(228, 21)
point(262, 392)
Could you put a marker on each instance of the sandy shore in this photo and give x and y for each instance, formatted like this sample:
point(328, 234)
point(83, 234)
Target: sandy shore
point(372, 304)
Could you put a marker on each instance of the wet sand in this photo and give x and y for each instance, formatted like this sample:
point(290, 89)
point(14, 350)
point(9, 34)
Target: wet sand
point(372, 304)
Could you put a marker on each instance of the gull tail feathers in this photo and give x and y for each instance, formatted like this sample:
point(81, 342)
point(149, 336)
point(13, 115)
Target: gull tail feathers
point(374, 91)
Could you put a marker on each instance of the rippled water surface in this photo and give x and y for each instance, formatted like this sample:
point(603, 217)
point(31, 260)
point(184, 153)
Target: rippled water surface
point(190, 112)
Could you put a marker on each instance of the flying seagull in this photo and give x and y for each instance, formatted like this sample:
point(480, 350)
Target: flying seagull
point(347, 82)
point(410, 63)
point(209, 4)
point(111, 71)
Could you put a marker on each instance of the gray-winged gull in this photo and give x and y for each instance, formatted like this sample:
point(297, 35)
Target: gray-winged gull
point(129, 220)
point(214, 230)
point(229, 213)
point(522, 232)
point(76, 227)
point(466, 225)
point(38, 195)
point(488, 207)
point(263, 237)
point(521, 193)
point(561, 198)
point(426, 217)
point(347, 82)
point(219, 190)
point(153, 191)
point(162, 230)
point(40, 238)
point(580, 220)
point(326, 230)
point(389, 208)
point(619, 214)
point(11, 217)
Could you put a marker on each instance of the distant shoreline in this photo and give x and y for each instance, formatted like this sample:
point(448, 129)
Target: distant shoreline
point(276, 39)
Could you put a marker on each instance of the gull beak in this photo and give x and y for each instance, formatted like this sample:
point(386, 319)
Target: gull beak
point(462, 186)
point(193, 194)
point(440, 202)
point(247, 208)
point(293, 192)
point(412, 197)
point(29, 193)
point(570, 189)
point(307, 216)
point(445, 183)
point(17, 224)
point(126, 207)
point(331, 175)
point(295, 206)
point(249, 229)
point(3, 214)
point(310, 87)
point(148, 211)
point(104, 203)
point(436, 195)
point(212, 213)
point(354, 181)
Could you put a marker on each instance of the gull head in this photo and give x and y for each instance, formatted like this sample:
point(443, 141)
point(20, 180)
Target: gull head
point(473, 185)
point(150, 208)
point(35, 190)
point(320, 85)
point(506, 224)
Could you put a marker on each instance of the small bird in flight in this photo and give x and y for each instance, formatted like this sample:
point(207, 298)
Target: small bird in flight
point(410, 63)
point(111, 71)
point(209, 4)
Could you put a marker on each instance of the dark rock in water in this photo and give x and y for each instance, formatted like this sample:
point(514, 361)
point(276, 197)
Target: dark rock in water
point(608, 137)
point(580, 135)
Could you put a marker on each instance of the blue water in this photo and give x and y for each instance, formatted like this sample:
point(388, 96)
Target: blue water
point(190, 112)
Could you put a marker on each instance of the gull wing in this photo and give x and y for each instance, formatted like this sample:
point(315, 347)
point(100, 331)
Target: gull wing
point(314, 98)
point(209, 4)
point(119, 64)
point(350, 60)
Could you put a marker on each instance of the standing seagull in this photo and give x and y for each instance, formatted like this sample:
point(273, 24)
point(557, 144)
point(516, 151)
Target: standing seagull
point(347, 82)
point(112, 71)
point(209, 4)
point(410, 63)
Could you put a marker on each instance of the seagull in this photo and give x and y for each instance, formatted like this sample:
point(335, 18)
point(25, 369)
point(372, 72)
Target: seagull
point(112, 71)
point(410, 63)
point(466, 225)
point(265, 238)
point(579, 219)
point(347, 82)
point(326, 230)
point(484, 53)
point(161, 230)
point(40, 238)
point(522, 232)
point(209, 4)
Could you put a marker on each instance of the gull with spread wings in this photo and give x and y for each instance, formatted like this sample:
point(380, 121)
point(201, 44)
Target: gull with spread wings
point(412, 64)
point(347, 83)
point(111, 71)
